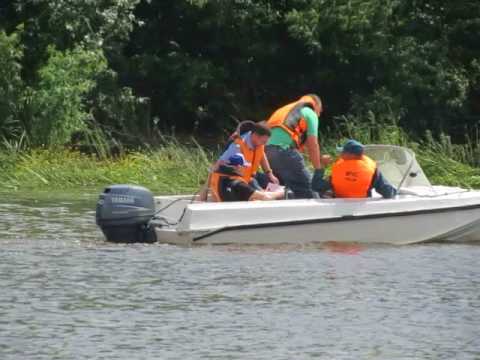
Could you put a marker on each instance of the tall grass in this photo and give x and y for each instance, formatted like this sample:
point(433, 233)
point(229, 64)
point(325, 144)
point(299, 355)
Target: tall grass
point(175, 167)
point(443, 162)
point(172, 168)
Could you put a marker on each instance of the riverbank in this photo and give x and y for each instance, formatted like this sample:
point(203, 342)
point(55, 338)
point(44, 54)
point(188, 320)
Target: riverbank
point(173, 168)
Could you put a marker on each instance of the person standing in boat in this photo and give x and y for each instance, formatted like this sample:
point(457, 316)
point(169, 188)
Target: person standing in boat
point(295, 126)
point(354, 175)
point(233, 176)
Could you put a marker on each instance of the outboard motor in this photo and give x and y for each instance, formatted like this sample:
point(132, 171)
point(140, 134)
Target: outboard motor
point(124, 213)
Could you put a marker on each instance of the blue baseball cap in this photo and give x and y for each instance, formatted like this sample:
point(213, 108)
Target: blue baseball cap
point(351, 147)
point(238, 160)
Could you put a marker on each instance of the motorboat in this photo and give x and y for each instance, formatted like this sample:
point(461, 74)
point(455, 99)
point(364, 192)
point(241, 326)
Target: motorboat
point(420, 212)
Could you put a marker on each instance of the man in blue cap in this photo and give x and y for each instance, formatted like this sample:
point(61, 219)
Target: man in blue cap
point(354, 175)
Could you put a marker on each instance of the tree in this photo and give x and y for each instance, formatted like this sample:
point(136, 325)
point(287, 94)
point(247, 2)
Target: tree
point(57, 102)
point(11, 86)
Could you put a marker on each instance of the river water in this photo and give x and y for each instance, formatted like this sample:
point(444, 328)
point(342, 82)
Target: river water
point(67, 294)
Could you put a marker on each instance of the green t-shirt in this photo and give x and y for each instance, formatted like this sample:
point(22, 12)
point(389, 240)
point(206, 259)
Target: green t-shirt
point(281, 138)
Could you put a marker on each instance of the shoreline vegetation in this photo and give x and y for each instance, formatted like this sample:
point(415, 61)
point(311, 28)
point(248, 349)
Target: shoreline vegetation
point(180, 166)
point(112, 78)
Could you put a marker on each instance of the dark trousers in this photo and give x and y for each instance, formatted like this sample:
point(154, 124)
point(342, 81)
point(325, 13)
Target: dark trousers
point(288, 165)
point(260, 181)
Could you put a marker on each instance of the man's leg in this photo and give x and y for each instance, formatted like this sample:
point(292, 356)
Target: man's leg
point(288, 165)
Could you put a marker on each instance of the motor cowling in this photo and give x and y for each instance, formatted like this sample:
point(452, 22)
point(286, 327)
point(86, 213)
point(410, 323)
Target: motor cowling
point(124, 213)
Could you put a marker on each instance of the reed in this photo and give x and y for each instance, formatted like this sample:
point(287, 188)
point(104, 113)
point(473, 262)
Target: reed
point(174, 167)
point(443, 162)
point(171, 168)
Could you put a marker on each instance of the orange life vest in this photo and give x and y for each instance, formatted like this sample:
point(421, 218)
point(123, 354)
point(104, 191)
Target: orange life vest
point(290, 119)
point(353, 178)
point(254, 157)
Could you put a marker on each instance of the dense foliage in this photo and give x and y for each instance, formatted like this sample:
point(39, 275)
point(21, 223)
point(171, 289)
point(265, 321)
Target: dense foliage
point(128, 70)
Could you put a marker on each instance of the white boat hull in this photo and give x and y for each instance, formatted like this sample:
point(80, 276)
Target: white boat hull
point(406, 220)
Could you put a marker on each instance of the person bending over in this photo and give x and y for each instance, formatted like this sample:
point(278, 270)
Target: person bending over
point(294, 126)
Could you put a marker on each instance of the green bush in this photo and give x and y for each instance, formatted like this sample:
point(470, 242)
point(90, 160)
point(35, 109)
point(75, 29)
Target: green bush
point(11, 86)
point(197, 65)
point(57, 100)
point(119, 113)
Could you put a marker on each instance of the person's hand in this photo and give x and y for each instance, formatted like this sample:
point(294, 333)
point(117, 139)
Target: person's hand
point(317, 179)
point(273, 178)
point(326, 160)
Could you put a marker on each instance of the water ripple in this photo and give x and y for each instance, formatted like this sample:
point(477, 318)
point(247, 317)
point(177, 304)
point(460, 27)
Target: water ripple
point(68, 294)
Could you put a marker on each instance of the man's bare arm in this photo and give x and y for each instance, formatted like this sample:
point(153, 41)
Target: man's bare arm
point(314, 151)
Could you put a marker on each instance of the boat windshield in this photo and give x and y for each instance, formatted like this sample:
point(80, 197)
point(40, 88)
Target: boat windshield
point(398, 165)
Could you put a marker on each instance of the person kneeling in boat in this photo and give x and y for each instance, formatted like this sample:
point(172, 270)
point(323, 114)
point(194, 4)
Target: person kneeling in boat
point(229, 183)
point(248, 146)
point(354, 175)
